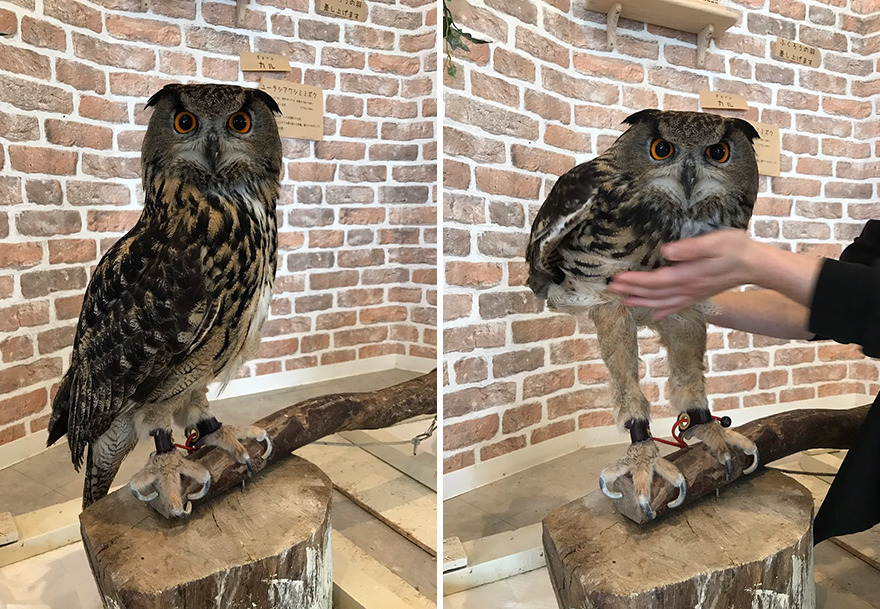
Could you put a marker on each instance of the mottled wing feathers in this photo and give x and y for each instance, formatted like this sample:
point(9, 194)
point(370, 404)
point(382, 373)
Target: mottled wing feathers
point(569, 204)
point(146, 308)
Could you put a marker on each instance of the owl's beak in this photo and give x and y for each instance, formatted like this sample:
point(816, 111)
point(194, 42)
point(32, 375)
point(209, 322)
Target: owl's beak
point(688, 177)
point(212, 152)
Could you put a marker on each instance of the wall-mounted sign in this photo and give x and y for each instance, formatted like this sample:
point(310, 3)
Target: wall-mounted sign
point(264, 62)
point(347, 9)
point(789, 50)
point(723, 101)
point(302, 108)
point(767, 149)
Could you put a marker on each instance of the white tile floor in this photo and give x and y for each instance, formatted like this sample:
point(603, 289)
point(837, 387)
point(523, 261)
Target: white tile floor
point(530, 590)
point(56, 579)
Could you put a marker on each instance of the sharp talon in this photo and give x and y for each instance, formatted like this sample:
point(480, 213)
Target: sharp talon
point(728, 465)
point(608, 492)
point(202, 492)
point(756, 460)
point(250, 466)
point(186, 511)
point(145, 498)
point(682, 494)
point(268, 440)
point(645, 504)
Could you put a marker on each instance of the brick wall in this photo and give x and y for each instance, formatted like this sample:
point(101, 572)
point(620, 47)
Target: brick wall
point(543, 96)
point(357, 216)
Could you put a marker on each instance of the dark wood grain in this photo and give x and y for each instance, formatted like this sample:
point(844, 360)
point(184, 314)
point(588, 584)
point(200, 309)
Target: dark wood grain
point(750, 547)
point(261, 547)
point(775, 436)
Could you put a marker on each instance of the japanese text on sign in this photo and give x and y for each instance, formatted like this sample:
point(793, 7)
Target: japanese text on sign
point(767, 149)
point(347, 9)
point(302, 108)
point(789, 50)
point(723, 101)
point(264, 62)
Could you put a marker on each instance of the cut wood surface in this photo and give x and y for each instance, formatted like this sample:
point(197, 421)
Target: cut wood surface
point(295, 426)
point(749, 548)
point(266, 546)
point(408, 507)
point(775, 436)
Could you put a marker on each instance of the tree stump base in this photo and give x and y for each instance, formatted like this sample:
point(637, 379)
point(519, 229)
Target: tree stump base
point(749, 548)
point(266, 546)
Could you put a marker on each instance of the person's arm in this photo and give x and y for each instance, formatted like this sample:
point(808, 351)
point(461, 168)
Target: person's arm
point(761, 312)
point(707, 265)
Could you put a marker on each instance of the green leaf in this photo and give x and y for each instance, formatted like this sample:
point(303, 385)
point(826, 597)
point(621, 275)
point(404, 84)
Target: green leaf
point(451, 69)
point(455, 41)
point(472, 39)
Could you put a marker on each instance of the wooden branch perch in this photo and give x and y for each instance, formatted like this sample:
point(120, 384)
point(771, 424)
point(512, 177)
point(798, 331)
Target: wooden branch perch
point(311, 420)
point(776, 437)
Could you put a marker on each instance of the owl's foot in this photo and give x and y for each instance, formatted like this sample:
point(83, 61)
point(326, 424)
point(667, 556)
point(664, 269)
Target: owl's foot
point(719, 440)
point(227, 437)
point(643, 460)
point(162, 477)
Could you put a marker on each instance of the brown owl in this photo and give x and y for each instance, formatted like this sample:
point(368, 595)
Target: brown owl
point(180, 299)
point(671, 175)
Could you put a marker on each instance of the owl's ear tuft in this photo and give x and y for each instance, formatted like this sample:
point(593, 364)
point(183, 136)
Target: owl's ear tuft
point(158, 95)
point(747, 128)
point(268, 100)
point(642, 116)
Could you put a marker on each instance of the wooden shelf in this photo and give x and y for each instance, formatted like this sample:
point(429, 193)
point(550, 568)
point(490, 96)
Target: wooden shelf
point(695, 16)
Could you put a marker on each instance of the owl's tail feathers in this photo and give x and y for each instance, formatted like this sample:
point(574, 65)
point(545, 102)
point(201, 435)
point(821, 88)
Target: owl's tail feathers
point(60, 412)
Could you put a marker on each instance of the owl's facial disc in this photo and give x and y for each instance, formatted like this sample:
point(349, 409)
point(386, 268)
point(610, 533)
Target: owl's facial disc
point(209, 146)
point(686, 180)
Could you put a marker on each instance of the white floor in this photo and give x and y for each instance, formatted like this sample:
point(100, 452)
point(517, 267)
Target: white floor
point(531, 590)
point(60, 578)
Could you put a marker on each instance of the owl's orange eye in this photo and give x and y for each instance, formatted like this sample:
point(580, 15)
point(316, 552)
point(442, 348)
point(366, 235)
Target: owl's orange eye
point(184, 122)
point(661, 150)
point(240, 122)
point(719, 152)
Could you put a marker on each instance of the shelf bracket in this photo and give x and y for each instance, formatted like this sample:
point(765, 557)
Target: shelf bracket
point(611, 28)
point(703, 39)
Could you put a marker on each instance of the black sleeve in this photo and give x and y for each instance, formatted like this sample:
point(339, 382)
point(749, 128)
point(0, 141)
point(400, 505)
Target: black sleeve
point(846, 299)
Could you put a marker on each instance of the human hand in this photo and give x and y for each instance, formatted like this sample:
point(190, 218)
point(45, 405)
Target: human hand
point(701, 267)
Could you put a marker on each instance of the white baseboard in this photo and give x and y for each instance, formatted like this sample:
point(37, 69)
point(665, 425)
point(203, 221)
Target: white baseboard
point(318, 374)
point(33, 444)
point(467, 479)
point(497, 557)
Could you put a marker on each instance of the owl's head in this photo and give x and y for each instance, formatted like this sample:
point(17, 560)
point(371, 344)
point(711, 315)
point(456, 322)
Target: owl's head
point(212, 136)
point(689, 156)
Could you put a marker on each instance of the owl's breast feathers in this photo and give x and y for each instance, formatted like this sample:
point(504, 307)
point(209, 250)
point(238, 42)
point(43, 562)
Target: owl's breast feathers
point(171, 304)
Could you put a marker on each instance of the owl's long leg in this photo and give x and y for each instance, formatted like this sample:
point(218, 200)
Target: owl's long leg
point(197, 415)
point(616, 331)
point(105, 455)
point(684, 336)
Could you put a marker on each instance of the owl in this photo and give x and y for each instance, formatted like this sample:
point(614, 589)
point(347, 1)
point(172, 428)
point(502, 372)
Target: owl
point(671, 175)
point(179, 300)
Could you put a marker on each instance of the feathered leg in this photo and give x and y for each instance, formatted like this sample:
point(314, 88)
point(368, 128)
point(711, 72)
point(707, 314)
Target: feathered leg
point(105, 455)
point(196, 415)
point(684, 336)
point(616, 330)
